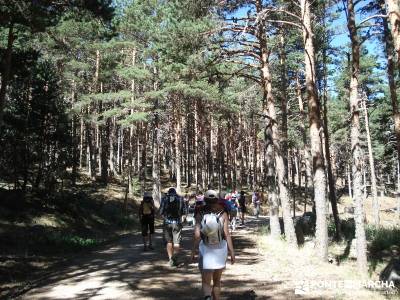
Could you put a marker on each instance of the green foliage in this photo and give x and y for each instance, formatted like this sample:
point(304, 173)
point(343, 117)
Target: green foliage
point(38, 119)
point(379, 238)
point(382, 238)
point(133, 118)
point(134, 73)
point(153, 61)
point(71, 242)
point(347, 227)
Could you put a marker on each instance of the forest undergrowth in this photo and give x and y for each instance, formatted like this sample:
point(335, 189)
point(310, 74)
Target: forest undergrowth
point(54, 227)
point(337, 278)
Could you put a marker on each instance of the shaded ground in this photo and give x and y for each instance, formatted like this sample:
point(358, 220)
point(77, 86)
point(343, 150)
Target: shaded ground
point(124, 271)
point(265, 269)
point(38, 231)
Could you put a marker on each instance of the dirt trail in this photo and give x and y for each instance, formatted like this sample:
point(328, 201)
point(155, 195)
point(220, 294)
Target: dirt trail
point(124, 271)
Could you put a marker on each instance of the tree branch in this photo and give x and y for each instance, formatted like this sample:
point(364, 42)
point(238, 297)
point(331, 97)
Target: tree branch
point(266, 11)
point(285, 22)
point(371, 17)
point(242, 53)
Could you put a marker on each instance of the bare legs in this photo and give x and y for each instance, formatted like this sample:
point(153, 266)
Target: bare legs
point(215, 288)
point(145, 238)
point(172, 250)
point(206, 283)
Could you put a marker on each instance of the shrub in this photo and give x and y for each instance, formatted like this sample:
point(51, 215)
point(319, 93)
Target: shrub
point(382, 238)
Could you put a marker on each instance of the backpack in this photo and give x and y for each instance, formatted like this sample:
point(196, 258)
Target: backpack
point(147, 208)
point(212, 228)
point(173, 207)
point(231, 205)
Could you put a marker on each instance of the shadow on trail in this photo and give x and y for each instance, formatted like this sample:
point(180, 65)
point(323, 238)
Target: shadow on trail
point(124, 271)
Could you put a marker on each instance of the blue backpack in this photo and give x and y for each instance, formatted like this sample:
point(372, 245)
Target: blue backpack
point(231, 205)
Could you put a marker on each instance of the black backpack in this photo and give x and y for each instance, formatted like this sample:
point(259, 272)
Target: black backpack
point(173, 207)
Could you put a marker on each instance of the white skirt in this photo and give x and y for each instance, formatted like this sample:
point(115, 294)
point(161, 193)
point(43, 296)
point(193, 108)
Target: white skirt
point(213, 257)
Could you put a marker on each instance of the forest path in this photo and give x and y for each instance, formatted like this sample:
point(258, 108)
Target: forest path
point(123, 271)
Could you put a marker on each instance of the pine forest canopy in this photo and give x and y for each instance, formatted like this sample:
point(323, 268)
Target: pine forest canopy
point(289, 97)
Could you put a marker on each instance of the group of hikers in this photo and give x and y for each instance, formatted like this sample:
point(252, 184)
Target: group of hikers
point(213, 213)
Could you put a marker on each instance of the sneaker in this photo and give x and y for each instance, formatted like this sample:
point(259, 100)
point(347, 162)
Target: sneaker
point(150, 247)
point(144, 248)
point(207, 298)
point(171, 263)
point(175, 260)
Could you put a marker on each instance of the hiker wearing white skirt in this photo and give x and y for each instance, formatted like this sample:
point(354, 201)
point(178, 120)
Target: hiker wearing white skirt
point(212, 257)
point(212, 239)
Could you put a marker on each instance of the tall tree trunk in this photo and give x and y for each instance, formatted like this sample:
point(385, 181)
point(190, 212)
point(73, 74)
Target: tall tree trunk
point(331, 178)
point(188, 145)
point(102, 129)
point(393, 93)
point(284, 99)
point(298, 170)
point(398, 196)
point(103, 133)
point(270, 106)
point(196, 146)
point(98, 149)
point(306, 150)
point(178, 146)
point(293, 183)
point(131, 134)
point(315, 129)
point(255, 151)
point(271, 182)
point(139, 162)
point(156, 151)
point(90, 139)
point(82, 139)
point(220, 159)
point(156, 165)
point(5, 72)
point(122, 165)
point(355, 141)
point(143, 160)
point(374, 191)
point(349, 183)
point(74, 138)
point(119, 143)
point(90, 151)
point(393, 10)
point(210, 152)
point(111, 158)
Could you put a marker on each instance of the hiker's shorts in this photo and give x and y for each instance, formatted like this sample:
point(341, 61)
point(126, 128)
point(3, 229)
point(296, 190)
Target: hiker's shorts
point(147, 225)
point(173, 233)
point(233, 212)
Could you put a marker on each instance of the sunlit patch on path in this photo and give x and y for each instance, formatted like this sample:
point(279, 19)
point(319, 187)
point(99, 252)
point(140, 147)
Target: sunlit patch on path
point(124, 271)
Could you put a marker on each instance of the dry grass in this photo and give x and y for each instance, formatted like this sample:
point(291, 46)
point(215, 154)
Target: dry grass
point(296, 265)
point(387, 209)
point(49, 228)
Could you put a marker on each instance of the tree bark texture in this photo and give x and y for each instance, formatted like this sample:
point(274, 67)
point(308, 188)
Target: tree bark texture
point(357, 157)
point(314, 109)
